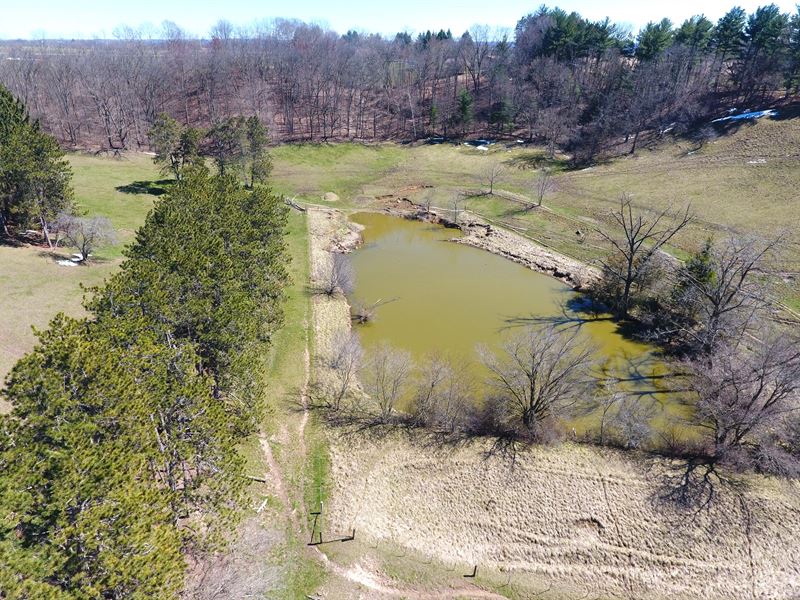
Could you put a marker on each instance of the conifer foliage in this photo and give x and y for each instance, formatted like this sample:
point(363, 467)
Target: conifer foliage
point(120, 455)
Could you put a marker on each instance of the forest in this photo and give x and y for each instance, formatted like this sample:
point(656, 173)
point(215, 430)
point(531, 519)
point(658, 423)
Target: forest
point(587, 88)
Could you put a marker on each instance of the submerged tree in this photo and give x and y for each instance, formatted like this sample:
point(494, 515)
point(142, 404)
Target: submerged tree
point(539, 374)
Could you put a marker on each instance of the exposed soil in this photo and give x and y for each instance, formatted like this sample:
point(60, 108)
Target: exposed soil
point(526, 252)
point(480, 234)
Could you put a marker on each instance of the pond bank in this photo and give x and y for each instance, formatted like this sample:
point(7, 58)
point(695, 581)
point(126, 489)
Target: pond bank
point(578, 518)
point(485, 236)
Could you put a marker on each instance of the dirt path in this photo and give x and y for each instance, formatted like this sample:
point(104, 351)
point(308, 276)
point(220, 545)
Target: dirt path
point(357, 576)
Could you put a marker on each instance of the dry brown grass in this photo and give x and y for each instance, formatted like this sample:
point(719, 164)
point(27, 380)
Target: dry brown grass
point(581, 519)
point(571, 520)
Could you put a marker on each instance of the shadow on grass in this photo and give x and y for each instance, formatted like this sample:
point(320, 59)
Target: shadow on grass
point(10, 242)
point(154, 188)
point(65, 254)
point(537, 161)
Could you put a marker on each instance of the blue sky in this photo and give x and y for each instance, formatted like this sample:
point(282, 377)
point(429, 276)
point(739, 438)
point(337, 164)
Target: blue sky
point(90, 18)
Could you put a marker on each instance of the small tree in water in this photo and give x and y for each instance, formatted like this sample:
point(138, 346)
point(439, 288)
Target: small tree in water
point(539, 374)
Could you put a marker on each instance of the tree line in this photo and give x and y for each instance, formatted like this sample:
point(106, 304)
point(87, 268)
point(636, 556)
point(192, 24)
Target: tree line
point(121, 456)
point(582, 86)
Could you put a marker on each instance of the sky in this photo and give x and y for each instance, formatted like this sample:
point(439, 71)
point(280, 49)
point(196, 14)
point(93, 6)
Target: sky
point(98, 18)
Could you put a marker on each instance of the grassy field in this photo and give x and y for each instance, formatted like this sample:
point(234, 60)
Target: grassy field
point(35, 287)
point(740, 184)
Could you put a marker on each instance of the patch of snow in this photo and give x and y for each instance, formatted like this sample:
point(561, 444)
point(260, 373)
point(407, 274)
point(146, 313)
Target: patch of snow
point(67, 263)
point(748, 115)
point(482, 148)
point(758, 161)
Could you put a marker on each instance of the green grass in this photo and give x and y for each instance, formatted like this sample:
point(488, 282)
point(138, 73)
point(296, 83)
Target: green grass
point(741, 184)
point(117, 188)
point(35, 287)
point(310, 170)
point(283, 380)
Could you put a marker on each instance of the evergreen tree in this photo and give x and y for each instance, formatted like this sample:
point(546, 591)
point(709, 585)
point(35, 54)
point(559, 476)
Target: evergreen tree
point(464, 110)
point(176, 147)
point(654, 39)
point(239, 148)
point(121, 451)
point(35, 177)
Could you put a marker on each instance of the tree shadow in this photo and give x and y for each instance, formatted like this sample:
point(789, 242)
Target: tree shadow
point(532, 161)
point(153, 188)
point(575, 312)
point(10, 242)
point(62, 253)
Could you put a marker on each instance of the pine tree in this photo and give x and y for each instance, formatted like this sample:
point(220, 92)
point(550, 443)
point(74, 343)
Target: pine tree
point(35, 177)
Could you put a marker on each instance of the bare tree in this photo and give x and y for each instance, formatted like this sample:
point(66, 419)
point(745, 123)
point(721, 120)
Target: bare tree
point(85, 234)
point(722, 298)
point(457, 209)
point(337, 277)
point(539, 374)
point(634, 250)
point(345, 360)
point(543, 186)
point(746, 403)
point(743, 400)
point(386, 378)
point(492, 173)
point(443, 393)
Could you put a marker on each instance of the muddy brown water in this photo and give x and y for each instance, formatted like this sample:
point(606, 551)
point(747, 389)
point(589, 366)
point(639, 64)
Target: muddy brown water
point(450, 298)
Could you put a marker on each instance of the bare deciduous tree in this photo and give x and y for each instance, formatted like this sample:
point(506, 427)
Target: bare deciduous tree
point(543, 186)
point(85, 233)
point(386, 378)
point(722, 302)
point(539, 374)
point(443, 394)
point(747, 404)
point(743, 399)
point(457, 209)
point(337, 277)
point(345, 360)
point(491, 175)
point(634, 250)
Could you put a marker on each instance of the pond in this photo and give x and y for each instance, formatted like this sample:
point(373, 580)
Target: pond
point(440, 296)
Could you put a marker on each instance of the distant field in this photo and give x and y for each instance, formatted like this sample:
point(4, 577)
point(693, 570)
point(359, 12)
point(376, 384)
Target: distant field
point(35, 287)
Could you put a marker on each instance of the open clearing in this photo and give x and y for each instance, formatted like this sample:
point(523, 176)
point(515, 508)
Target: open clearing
point(35, 287)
